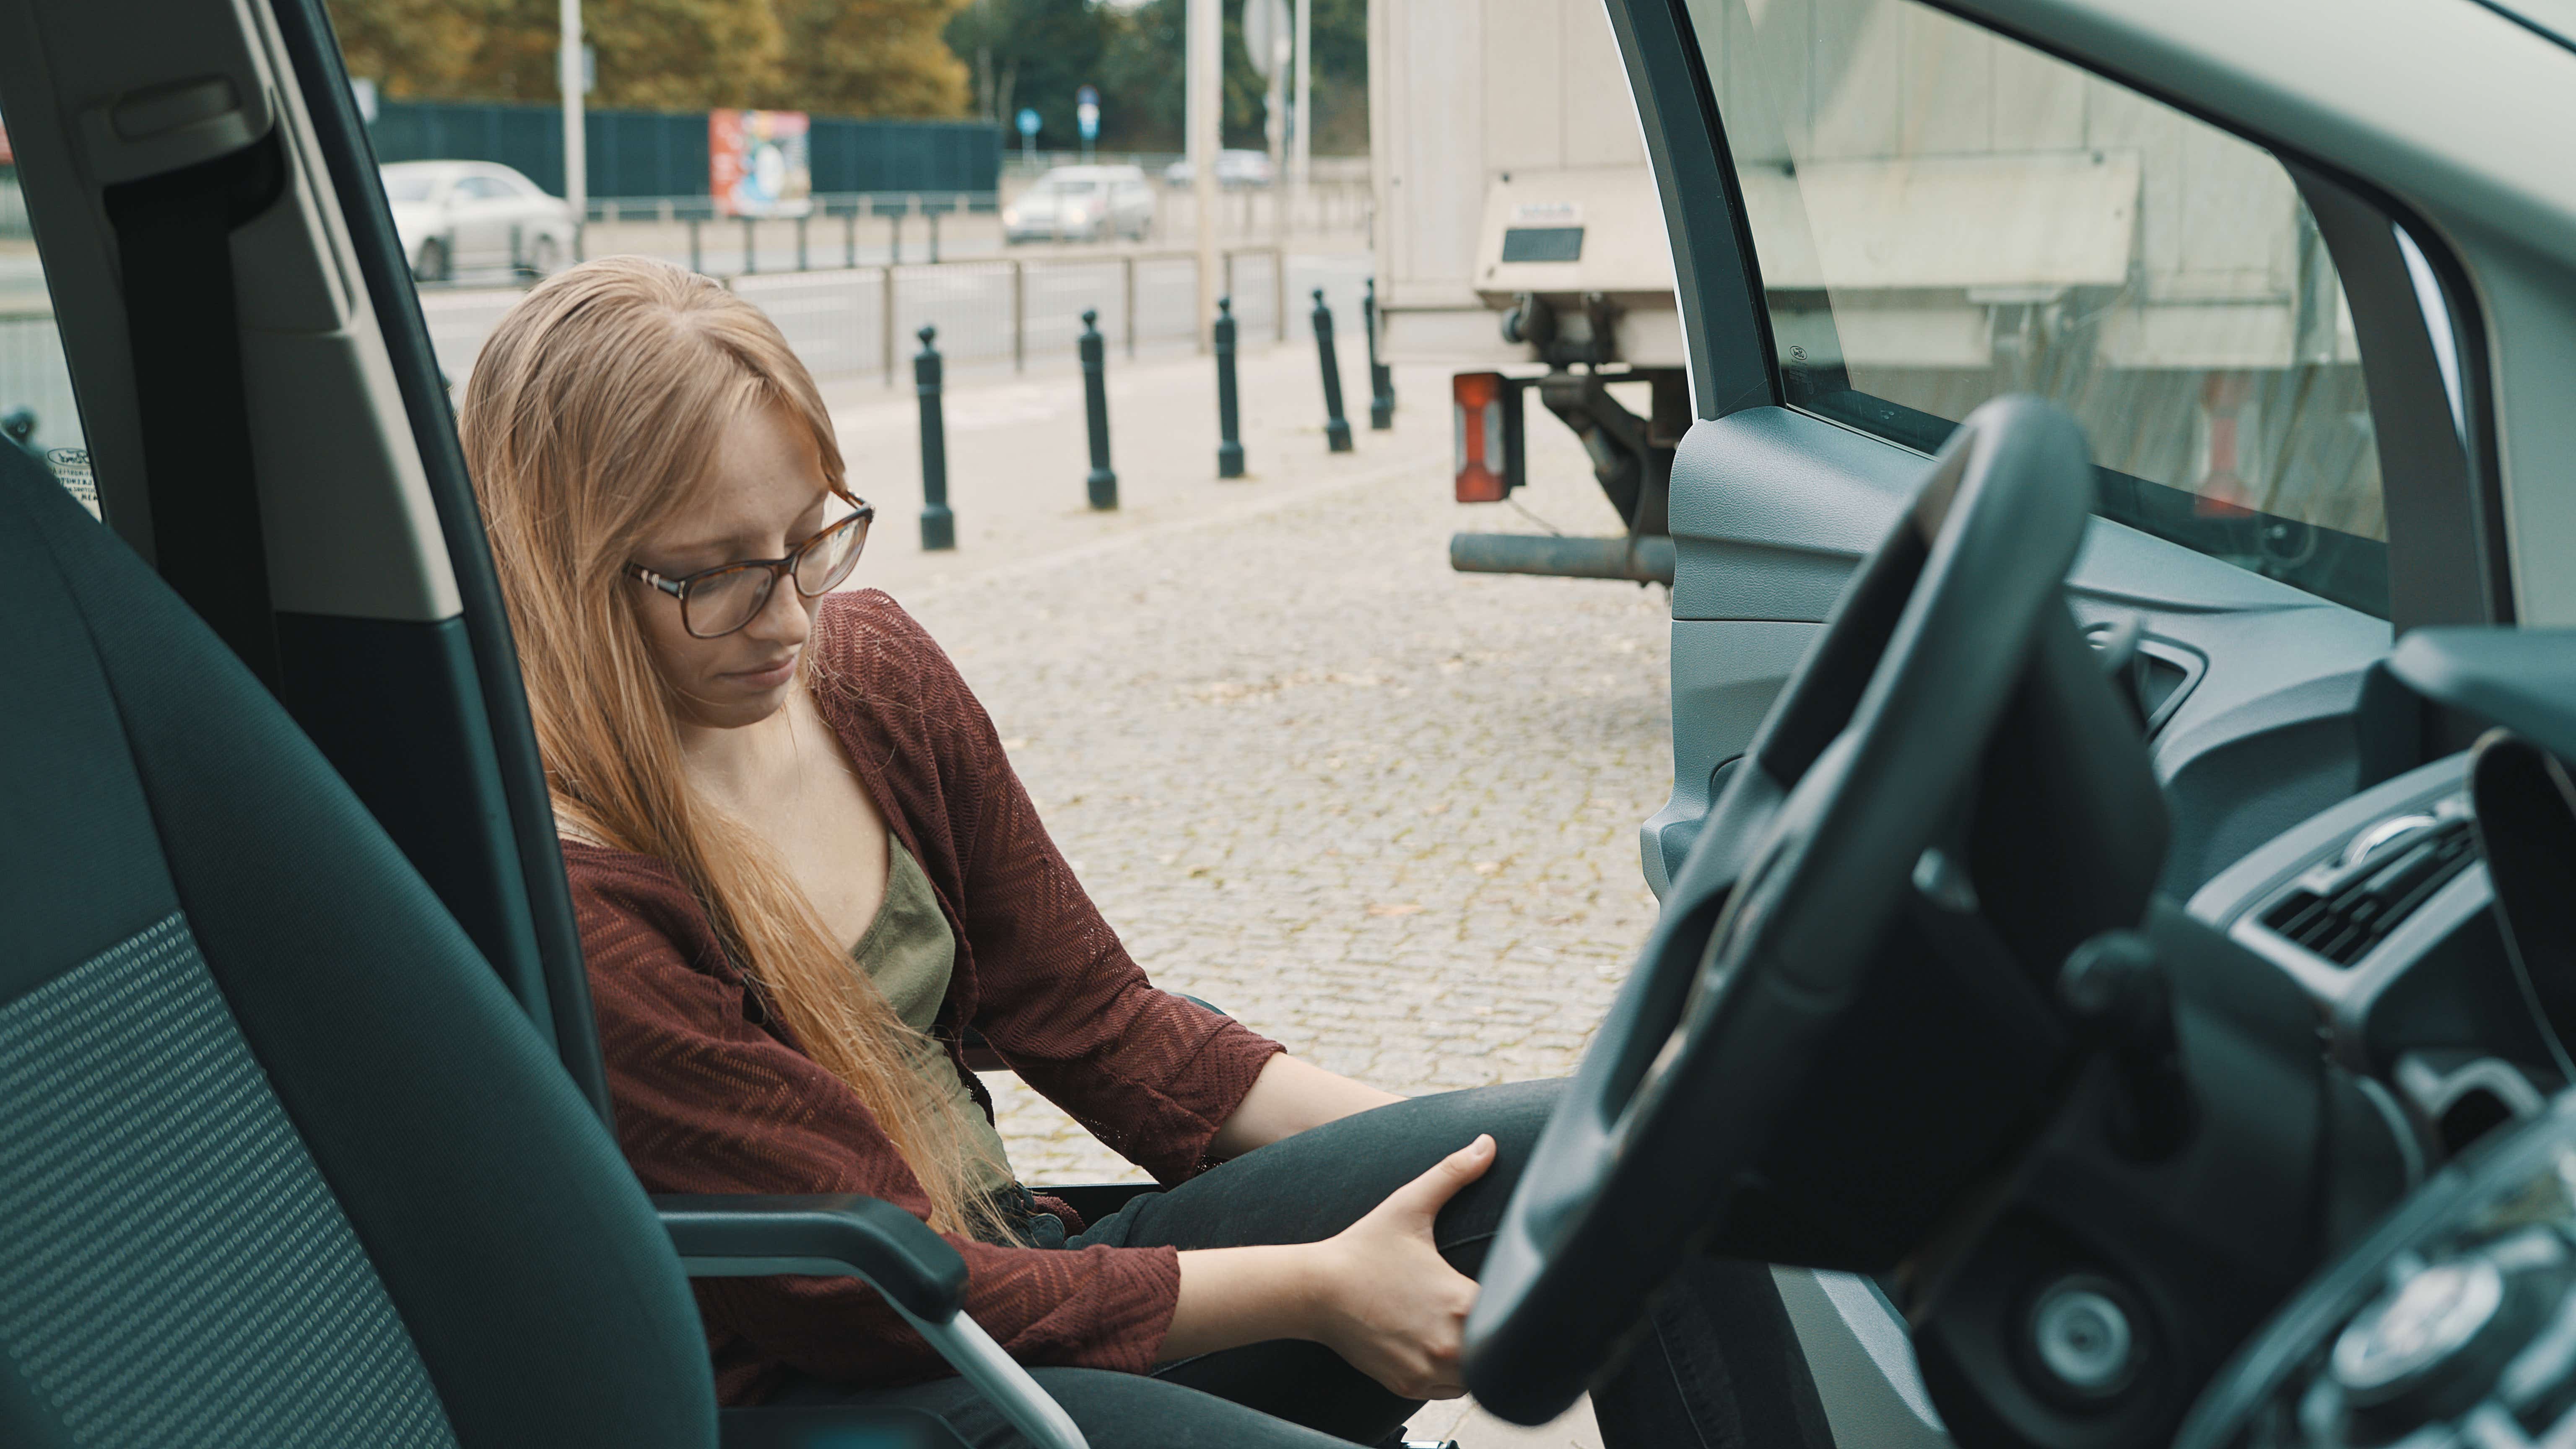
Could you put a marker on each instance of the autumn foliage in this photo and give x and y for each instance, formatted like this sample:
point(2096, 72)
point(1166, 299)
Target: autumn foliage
point(836, 57)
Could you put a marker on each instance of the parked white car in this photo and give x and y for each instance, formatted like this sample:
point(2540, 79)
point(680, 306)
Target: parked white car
point(457, 216)
point(1082, 203)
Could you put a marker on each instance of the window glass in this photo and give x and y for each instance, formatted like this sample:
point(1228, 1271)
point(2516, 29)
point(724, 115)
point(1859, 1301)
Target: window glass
point(1942, 216)
point(37, 409)
point(481, 188)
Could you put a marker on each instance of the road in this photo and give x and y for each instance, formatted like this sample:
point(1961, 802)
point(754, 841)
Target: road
point(837, 319)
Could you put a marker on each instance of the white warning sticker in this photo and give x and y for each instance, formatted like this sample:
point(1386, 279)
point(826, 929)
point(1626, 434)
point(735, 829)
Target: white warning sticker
point(71, 469)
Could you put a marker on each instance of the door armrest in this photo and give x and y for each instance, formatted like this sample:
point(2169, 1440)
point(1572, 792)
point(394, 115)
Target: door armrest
point(835, 1235)
point(845, 1235)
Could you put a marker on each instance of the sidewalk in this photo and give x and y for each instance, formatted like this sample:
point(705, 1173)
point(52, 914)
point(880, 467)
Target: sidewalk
point(1382, 812)
point(1018, 455)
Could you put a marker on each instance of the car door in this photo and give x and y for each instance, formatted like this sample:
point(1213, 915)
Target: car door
point(245, 392)
point(1884, 213)
point(480, 213)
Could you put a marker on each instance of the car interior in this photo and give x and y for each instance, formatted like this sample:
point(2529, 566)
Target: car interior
point(2116, 954)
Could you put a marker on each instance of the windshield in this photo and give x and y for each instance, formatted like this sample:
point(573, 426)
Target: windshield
point(1065, 187)
point(409, 185)
point(1943, 216)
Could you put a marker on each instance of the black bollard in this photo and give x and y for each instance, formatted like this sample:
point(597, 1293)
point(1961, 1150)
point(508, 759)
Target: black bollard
point(938, 524)
point(1381, 376)
point(1337, 429)
point(1102, 484)
point(1229, 420)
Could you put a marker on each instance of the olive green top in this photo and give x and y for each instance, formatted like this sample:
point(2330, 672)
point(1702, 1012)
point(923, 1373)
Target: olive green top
point(910, 952)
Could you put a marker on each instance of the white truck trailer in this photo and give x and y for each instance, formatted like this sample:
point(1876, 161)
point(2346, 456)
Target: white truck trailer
point(1519, 239)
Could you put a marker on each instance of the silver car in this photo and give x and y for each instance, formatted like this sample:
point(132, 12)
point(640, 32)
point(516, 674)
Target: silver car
point(457, 216)
point(1082, 203)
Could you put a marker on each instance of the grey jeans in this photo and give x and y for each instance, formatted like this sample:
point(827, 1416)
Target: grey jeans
point(1719, 1369)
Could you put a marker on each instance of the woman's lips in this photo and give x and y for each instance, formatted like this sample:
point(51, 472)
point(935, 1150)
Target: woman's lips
point(768, 676)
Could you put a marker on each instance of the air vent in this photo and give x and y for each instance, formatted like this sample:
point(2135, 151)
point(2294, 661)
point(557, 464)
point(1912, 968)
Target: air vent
point(2340, 910)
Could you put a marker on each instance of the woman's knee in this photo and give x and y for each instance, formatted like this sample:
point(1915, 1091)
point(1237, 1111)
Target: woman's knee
point(1514, 1112)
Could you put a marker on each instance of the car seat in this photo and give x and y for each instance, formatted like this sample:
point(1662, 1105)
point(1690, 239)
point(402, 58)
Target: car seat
point(283, 1162)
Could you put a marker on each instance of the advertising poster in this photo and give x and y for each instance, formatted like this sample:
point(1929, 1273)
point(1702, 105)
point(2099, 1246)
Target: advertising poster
point(757, 163)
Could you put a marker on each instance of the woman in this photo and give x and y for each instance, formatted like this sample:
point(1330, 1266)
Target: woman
point(805, 870)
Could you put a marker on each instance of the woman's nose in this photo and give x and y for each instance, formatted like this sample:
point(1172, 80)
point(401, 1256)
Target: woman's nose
point(786, 618)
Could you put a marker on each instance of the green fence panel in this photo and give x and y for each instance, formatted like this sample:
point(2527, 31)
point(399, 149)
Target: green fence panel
point(663, 153)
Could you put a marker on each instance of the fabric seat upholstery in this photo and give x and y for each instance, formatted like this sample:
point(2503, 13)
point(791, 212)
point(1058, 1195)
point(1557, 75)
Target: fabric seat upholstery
point(282, 1163)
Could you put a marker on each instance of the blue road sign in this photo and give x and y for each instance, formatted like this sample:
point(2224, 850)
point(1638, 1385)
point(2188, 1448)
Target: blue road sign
point(1028, 121)
point(1086, 113)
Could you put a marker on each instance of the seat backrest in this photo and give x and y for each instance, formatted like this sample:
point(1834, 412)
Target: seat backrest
point(280, 1161)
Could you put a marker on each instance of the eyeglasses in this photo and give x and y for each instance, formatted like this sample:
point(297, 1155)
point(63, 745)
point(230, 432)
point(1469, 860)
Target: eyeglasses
point(716, 602)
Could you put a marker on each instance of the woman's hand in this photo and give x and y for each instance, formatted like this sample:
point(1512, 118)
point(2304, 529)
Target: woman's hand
point(1378, 1292)
point(1390, 1304)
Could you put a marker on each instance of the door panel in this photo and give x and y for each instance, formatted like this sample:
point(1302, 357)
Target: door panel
point(1725, 672)
point(1773, 508)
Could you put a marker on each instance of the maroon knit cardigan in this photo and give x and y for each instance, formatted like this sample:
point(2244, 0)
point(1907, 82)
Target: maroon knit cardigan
point(712, 1096)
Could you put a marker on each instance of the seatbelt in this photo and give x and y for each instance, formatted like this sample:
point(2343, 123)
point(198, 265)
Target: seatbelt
point(174, 248)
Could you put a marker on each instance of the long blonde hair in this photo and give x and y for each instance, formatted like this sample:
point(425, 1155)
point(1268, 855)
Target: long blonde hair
point(594, 412)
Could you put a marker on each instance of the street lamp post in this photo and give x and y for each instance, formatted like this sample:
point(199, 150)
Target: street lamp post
point(568, 71)
point(1204, 72)
point(1302, 151)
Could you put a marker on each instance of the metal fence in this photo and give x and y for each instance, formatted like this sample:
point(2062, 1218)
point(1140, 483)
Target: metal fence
point(858, 322)
point(827, 205)
point(862, 320)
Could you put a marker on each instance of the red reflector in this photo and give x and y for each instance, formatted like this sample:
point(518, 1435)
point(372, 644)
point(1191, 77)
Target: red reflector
point(1479, 400)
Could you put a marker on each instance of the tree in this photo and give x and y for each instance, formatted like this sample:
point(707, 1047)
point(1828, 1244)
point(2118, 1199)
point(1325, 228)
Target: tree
point(865, 57)
point(683, 54)
point(1143, 93)
point(871, 58)
point(1033, 53)
point(427, 47)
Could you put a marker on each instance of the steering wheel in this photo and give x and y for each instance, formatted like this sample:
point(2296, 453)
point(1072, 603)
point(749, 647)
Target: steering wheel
point(1851, 790)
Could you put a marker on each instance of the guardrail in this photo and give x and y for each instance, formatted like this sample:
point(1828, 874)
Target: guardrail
point(615, 209)
point(843, 229)
point(851, 321)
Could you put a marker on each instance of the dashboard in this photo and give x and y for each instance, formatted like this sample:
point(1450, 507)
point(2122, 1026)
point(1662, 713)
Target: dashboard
point(2383, 908)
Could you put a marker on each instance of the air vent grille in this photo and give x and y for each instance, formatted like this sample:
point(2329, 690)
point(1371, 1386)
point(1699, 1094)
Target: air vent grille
point(2340, 912)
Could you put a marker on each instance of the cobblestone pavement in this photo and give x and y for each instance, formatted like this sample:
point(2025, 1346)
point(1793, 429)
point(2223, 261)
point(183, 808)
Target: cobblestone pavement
point(1381, 811)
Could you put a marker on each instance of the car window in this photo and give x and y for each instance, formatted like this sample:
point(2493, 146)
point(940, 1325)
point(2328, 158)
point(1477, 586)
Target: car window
point(1942, 215)
point(38, 410)
point(481, 188)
